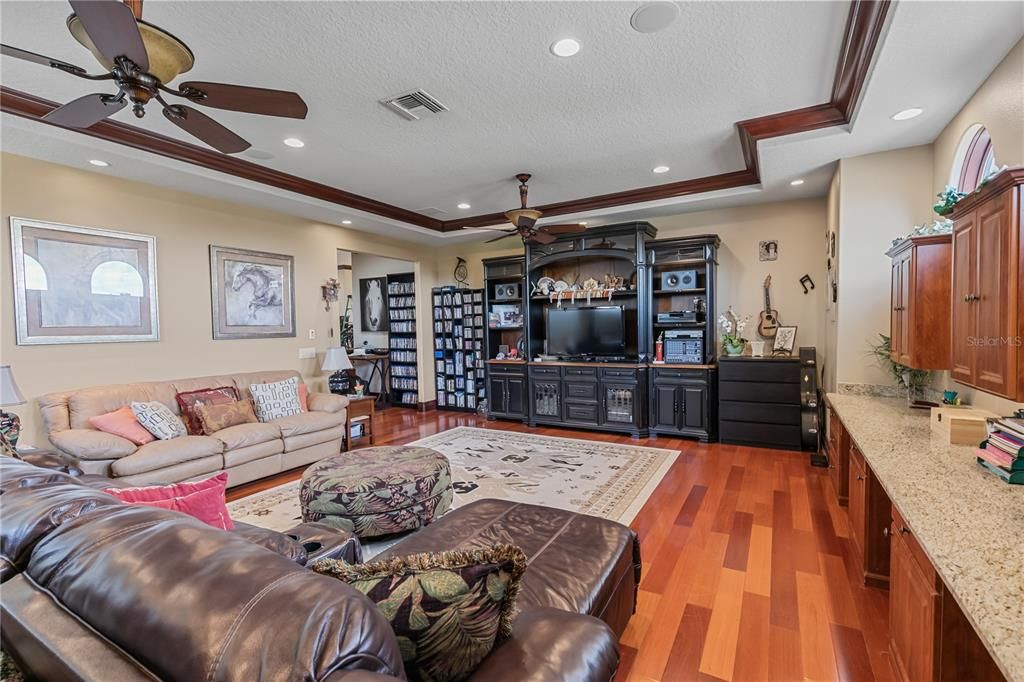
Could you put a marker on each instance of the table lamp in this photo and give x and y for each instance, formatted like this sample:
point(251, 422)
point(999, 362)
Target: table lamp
point(10, 424)
point(336, 360)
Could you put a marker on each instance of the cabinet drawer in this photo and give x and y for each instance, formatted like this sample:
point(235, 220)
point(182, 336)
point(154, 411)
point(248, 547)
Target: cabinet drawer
point(758, 392)
point(755, 370)
point(900, 528)
point(580, 372)
point(763, 413)
point(618, 373)
point(546, 372)
point(680, 374)
point(581, 412)
point(506, 370)
point(777, 435)
point(581, 390)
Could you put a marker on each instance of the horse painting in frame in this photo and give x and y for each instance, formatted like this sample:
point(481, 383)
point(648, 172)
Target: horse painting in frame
point(253, 294)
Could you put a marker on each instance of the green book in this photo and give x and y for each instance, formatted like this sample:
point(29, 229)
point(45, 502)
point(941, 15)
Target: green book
point(1016, 477)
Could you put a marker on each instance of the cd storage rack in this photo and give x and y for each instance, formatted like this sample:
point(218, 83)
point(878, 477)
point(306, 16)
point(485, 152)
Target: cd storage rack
point(459, 328)
point(402, 340)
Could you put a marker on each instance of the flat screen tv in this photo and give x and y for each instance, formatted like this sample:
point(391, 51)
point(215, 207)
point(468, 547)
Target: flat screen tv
point(598, 331)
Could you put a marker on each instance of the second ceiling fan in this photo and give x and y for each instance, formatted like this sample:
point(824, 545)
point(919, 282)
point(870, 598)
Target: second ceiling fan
point(524, 221)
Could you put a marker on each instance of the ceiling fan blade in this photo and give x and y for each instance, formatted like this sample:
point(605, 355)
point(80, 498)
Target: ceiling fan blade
point(566, 228)
point(542, 238)
point(526, 222)
point(246, 99)
point(500, 237)
point(112, 27)
point(200, 125)
point(85, 111)
point(18, 53)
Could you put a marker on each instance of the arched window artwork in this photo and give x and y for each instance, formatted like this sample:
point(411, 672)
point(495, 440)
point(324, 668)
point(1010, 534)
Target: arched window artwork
point(975, 159)
point(116, 278)
point(35, 276)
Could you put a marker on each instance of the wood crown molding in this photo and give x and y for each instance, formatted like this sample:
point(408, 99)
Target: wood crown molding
point(860, 40)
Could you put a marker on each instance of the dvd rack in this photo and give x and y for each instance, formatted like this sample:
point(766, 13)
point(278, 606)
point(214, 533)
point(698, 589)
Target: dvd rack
point(459, 328)
point(402, 373)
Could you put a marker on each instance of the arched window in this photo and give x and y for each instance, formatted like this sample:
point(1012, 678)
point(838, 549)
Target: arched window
point(35, 276)
point(975, 159)
point(116, 278)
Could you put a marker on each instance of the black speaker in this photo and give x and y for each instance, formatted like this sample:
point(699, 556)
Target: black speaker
point(678, 280)
point(505, 292)
point(810, 408)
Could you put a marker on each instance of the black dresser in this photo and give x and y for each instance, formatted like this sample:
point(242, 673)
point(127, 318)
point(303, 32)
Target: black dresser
point(759, 402)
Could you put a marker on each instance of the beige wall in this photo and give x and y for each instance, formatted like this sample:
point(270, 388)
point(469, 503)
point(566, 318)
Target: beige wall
point(184, 225)
point(797, 225)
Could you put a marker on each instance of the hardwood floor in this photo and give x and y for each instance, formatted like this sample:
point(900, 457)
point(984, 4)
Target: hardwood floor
point(748, 573)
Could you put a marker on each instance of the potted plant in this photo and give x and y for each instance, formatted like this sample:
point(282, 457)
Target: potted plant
point(732, 332)
point(913, 380)
point(948, 198)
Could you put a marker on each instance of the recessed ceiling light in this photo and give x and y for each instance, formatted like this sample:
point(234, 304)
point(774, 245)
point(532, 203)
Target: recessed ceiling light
point(294, 142)
point(660, 169)
point(907, 114)
point(566, 47)
point(654, 16)
point(796, 182)
point(346, 222)
point(99, 162)
point(464, 206)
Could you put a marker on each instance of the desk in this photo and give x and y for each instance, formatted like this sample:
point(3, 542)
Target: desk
point(359, 407)
point(379, 366)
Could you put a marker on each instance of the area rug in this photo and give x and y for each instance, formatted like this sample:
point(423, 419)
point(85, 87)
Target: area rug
point(590, 477)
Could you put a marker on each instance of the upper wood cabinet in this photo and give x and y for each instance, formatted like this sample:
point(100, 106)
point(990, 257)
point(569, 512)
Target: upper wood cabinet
point(919, 308)
point(988, 288)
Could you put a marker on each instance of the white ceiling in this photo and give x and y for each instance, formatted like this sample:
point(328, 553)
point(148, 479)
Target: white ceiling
point(591, 124)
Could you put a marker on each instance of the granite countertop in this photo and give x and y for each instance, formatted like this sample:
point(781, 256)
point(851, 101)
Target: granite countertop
point(969, 523)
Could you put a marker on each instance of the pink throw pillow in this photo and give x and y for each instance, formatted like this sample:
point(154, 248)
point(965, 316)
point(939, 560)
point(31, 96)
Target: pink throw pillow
point(122, 423)
point(303, 397)
point(203, 500)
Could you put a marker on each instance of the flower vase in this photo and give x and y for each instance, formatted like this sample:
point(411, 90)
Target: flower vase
point(733, 349)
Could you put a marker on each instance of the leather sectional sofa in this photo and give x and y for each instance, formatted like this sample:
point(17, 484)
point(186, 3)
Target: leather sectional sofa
point(247, 451)
point(98, 590)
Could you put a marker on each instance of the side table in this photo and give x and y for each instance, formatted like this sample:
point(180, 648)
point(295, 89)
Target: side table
point(360, 409)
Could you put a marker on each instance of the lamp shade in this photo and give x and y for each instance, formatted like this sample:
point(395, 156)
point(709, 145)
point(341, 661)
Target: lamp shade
point(336, 359)
point(9, 392)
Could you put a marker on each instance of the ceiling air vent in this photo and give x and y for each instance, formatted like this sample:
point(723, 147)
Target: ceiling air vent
point(414, 104)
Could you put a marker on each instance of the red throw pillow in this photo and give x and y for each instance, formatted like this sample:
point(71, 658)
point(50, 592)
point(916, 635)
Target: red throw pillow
point(188, 400)
point(123, 423)
point(203, 500)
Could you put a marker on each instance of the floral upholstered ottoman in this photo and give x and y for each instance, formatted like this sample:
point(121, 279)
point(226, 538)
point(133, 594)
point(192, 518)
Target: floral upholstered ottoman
point(377, 491)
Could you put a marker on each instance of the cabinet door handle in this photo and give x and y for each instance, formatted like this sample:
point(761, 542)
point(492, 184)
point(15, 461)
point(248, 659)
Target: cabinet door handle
point(967, 298)
point(885, 532)
point(860, 477)
point(904, 530)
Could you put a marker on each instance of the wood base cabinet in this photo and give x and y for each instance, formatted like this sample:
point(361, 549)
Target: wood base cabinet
point(919, 311)
point(506, 391)
point(683, 402)
point(837, 447)
point(987, 338)
point(869, 511)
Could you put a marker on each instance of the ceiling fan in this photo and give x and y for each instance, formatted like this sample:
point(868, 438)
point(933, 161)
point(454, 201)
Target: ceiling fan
point(142, 59)
point(524, 221)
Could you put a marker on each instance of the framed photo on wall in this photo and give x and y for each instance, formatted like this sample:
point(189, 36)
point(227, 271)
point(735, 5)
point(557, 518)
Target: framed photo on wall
point(253, 294)
point(373, 304)
point(82, 284)
point(785, 340)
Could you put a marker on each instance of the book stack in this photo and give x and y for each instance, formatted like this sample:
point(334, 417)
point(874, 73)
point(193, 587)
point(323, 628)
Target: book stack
point(1003, 452)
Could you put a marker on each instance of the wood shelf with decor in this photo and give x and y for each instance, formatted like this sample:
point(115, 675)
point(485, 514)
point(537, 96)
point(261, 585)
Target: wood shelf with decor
point(919, 301)
point(988, 287)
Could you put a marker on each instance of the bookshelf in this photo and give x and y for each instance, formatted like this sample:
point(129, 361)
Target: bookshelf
point(404, 382)
point(459, 327)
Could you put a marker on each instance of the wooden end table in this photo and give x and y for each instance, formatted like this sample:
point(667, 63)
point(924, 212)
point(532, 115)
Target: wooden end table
point(360, 407)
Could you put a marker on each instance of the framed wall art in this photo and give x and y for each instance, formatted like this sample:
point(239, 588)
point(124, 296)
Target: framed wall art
point(253, 294)
point(82, 284)
point(373, 306)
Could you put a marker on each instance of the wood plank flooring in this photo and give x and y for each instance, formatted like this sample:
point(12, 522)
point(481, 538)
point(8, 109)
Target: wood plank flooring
point(748, 573)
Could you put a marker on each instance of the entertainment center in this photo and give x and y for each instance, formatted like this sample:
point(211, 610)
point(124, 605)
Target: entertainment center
point(573, 326)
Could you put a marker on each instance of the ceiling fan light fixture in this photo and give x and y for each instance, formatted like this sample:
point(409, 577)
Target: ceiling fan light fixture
point(566, 47)
point(169, 56)
point(515, 214)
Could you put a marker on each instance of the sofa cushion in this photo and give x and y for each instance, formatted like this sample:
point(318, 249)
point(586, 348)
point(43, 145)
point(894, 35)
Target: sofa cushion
point(89, 402)
point(460, 604)
point(216, 418)
point(164, 453)
point(159, 420)
point(307, 422)
point(246, 379)
point(276, 400)
point(244, 435)
point(203, 500)
point(90, 444)
point(188, 401)
point(327, 402)
point(122, 423)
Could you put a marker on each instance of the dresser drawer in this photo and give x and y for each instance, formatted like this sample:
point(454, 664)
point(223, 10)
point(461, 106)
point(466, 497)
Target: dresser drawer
point(759, 392)
point(580, 390)
point(546, 372)
point(675, 374)
point(752, 433)
point(760, 370)
point(581, 372)
point(584, 413)
point(762, 413)
point(618, 373)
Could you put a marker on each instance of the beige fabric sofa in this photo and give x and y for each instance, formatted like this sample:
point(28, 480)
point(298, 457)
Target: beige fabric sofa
point(247, 451)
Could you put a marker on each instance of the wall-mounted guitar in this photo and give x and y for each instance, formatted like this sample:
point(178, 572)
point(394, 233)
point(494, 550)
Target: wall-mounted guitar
point(768, 322)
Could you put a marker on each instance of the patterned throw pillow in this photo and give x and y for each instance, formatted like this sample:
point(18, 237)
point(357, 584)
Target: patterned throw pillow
point(276, 400)
point(448, 610)
point(188, 401)
point(216, 417)
point(158, 419)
